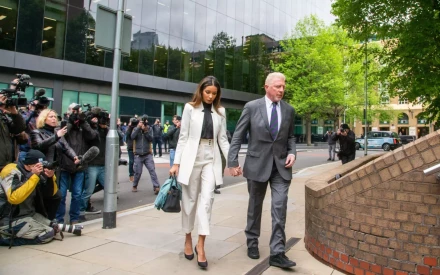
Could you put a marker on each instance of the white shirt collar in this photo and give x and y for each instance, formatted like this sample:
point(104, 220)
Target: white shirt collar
point(269, 102)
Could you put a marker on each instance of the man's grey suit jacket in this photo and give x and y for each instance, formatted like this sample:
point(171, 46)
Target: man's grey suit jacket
point(263, 151)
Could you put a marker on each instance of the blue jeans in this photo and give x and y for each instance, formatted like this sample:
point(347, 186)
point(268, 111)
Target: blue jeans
point(76, 182)
point(130, 163)
point(93, 173)
point(172, 154)
point(157, 141)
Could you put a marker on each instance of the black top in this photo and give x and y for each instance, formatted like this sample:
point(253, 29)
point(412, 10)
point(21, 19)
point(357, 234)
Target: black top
point(208, 127)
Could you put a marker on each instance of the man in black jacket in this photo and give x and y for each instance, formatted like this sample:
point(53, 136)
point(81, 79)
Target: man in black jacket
point(129, 142)
point(142, 155)
point(157, 137)
point(173, 137)
point(346, 137)
point(11, 122)
point(96, 168)
point(79, 136)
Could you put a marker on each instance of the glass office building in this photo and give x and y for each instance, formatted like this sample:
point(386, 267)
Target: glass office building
point(175, 43)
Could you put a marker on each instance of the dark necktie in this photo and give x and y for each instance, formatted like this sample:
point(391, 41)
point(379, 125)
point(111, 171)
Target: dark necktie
point(273, 126)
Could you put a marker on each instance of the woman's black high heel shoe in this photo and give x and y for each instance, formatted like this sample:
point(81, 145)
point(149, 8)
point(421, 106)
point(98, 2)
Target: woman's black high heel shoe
point(201, 264)
point(188, 257)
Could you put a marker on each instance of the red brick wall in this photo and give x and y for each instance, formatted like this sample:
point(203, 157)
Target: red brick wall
point(380, 218)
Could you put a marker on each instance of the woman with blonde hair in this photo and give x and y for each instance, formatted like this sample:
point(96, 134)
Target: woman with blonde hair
point(197, 161)
point(49, 138)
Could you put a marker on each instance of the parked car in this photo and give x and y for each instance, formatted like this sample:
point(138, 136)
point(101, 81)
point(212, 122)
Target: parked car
point(407, 139)
point(385, 140)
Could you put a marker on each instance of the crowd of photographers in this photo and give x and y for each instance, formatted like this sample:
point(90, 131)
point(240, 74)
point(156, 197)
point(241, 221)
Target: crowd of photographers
point(42, 156)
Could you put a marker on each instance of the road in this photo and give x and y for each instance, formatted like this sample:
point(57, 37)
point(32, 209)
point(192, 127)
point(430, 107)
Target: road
point(127, 199)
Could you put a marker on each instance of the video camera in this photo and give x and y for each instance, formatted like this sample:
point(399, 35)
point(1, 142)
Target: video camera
point(89, 107)
point(135, 121)
point(43, 101)
point(16, 96)
point(23, 82)
point(103, 117)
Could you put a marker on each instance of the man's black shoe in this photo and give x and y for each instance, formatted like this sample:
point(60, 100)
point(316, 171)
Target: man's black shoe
point(253, 253)
point(281, 260)
point(216, 191)
point(329, 159)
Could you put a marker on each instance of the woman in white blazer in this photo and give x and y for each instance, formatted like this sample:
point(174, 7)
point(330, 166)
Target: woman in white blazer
point(197, 162)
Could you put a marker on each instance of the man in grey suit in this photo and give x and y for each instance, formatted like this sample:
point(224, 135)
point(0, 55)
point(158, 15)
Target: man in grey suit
point(270, 156)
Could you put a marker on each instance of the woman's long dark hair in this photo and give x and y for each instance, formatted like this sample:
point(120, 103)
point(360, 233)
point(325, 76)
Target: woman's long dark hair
point(198, 95)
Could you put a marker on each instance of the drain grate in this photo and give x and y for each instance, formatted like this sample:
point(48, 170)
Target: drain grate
point(264, 264)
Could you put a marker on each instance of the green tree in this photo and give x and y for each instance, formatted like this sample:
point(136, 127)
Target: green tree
point(323, 75)
point(410, 31)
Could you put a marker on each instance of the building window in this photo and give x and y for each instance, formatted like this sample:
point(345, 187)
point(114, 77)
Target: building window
point(88, 98)
point(314, 121)
point(105, 102)
point(54, 29)
point(69, 97)
point(30, 26)
point(403, 119)
point(385, 98)
point(422, 120)
point(403, 100)
point(8, 24)
point(331, 122)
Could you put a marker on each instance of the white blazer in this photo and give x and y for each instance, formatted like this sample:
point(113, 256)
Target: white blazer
point(189, 139)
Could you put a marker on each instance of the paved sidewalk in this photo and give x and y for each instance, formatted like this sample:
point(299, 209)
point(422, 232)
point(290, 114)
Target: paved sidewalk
point(148, 241)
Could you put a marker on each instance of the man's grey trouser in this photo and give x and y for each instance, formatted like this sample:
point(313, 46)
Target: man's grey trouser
point(139, 162)
point(331, 151)
point(257, 190)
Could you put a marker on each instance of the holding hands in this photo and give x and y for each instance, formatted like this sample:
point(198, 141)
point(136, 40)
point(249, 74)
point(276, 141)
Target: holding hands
point(235, 171)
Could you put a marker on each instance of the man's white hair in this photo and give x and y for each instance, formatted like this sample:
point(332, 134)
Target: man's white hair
point(69, 110)
point(270, 77)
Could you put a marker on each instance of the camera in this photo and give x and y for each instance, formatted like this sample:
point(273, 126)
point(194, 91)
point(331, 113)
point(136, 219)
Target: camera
point(23, 82)
point(103, 118)
point(134, 122)
point(89, 107)
point(49, 165)
point(43, 101)
point(14, 98)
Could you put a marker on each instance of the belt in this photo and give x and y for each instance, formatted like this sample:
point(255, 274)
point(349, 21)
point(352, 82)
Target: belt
point(206, 141)
point(139, 155)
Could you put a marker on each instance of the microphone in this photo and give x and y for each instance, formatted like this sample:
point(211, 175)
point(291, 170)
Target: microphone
point(88, 156)
point(40, 92)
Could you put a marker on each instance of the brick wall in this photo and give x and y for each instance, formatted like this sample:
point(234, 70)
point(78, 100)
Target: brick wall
point(382, 217)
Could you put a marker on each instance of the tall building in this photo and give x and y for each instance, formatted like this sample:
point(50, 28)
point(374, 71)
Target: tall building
point(175, 43)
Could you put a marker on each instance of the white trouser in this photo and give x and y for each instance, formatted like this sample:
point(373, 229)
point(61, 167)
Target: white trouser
point(201, 181)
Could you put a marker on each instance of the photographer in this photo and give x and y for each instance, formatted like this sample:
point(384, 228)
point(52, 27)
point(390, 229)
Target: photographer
point(50, 140)
point(25, 185)
point(36, 106)
point(331, 145)
point(129, 141)
point(79, 135)
point(99, 121)
point(346, 137)
point(11, 123)
point(157, 137)
point(173, 137)
point(142, 155)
